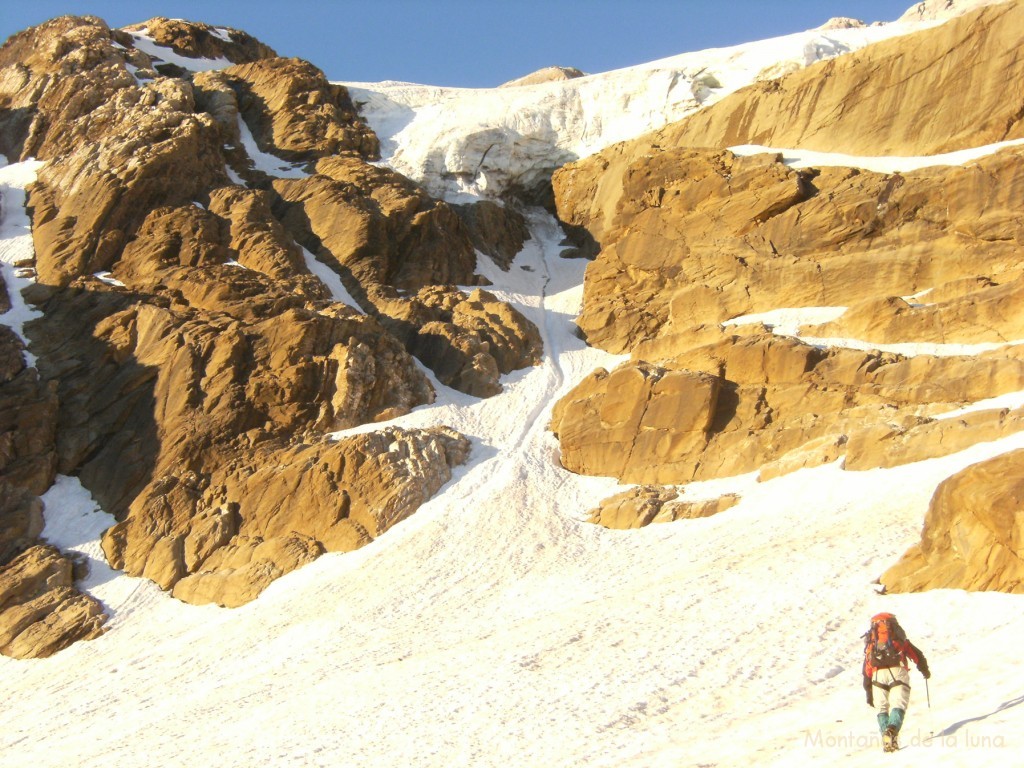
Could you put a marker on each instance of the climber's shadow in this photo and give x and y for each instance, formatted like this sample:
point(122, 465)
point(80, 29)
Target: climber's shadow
point(1001, 708)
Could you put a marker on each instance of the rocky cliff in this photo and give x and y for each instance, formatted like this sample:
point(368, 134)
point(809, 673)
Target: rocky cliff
point(197, 191)
point(689, 238)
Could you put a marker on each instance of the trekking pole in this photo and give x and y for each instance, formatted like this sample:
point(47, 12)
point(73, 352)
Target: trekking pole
point(931, 717)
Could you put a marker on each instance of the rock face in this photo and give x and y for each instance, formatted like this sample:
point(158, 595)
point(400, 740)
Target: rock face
point(21, 521)
point(496, 230)
point(898, 97)
point(973, 534)
point(744, 402)
point(222, 534)
point(206, 351)
point(28, 420)
point(40, 611)
point(688, 235)
point(985, 312)
point(294, 112)
point(695, 236)
point(890, 445)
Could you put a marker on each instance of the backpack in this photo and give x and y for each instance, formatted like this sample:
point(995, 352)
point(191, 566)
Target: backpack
point(886, 641)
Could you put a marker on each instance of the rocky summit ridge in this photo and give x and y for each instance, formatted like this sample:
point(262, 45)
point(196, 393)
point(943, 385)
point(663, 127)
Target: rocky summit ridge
point(224, 276)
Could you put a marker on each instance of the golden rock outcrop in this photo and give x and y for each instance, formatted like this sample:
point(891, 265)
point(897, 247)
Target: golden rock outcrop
point(740, 404)
point(687, 235)
point(186, 346)
point(973, 533)
point(903, 96)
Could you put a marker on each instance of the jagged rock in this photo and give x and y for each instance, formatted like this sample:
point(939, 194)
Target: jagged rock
point(196, 40)
point(498, 231)
point(195, 388)
point(890, 445)
point(377, 227)
point(40, 611)
point(223, 533)
point(52, 75)
point(398, 240)
point(648, 504)
point(972, 533)
point(545, 75)
point(734, 406)
point(127, 157)
point(133, 376)
point(257, 240)
point(470, 340)
point(295, 113)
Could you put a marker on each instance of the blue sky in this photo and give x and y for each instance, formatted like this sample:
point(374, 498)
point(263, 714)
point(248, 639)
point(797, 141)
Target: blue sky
point(474, 43)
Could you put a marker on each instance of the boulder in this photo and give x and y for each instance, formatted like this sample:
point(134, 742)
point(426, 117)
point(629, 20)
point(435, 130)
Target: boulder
point(648, 504)
point(973, 533)
point(40, 610)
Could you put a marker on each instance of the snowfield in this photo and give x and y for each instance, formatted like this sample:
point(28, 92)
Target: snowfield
point(496, 628)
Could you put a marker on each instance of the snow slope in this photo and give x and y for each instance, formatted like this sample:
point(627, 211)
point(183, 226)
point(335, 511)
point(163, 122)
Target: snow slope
point(495, 628)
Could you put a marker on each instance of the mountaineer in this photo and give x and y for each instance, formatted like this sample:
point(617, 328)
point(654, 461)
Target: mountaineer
point(887, 674)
